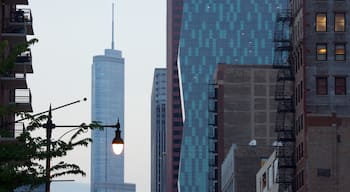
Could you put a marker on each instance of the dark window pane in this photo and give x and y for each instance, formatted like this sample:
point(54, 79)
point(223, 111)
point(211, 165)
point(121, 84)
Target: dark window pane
point(321, 86)
point(340, 85)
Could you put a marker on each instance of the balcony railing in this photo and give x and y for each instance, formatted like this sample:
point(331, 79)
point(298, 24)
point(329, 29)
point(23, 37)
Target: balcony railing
point(14, 30)
point(18, 23)
point(23, 96)
point(23, 63)
point(14, 80)
point(21, 16)
point(19, 129)
point(22, 99)
point(24, 57)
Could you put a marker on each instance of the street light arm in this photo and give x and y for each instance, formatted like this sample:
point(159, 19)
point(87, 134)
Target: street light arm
point(53, 109)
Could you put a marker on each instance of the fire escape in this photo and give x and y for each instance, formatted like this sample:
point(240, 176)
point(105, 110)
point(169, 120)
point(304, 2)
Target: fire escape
point(213, 139)
point(284, 96)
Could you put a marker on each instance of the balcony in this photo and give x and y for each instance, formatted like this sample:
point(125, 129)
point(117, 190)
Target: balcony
point(17, 26)
point(22, 17)
point(23, 63)
point(17, 2)
point(22, 100)
point(14, 80)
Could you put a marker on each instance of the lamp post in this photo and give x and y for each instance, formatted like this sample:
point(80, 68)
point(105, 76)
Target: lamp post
point(117, 143)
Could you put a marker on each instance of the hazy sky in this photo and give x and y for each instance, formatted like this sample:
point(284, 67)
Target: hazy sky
point(70, 33)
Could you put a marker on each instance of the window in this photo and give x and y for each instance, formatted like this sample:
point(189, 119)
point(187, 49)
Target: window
point(321, 86)
point(339, 22)
point(340, 52)
point(321, 22)
point(340, 85)
point(321, 52)
point(270, 179)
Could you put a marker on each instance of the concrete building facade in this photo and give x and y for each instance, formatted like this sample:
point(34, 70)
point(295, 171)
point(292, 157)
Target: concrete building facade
point(158, 131)
point(245, 108)
point(266, 177)
point(239, 168)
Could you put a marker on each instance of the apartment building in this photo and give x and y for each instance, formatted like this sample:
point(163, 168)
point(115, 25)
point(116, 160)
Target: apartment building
point(15, 95)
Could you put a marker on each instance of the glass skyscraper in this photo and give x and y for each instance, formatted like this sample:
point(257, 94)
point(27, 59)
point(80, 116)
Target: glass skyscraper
point(107, 169)
point(158, 128)
point(210, 32)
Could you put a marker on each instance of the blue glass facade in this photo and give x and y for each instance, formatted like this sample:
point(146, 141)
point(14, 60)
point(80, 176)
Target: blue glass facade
point(107, 169)
point(212, 32)
point(158, 131)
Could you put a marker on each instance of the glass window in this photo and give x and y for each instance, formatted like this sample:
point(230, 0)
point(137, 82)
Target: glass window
point(339, 22)
point(275, 165)
point(340, 52)
point(340, 85)
point(321, 86)
point(321, 22)
point(270, 180)
point(321, 52)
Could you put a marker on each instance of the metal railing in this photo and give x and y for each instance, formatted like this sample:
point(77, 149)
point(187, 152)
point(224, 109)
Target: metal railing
point(21, 15)
point(23, 96)
point(24, 57)
point(19, 128)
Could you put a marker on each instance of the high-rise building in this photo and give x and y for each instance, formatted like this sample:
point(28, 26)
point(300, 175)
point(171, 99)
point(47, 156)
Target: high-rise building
point(202, 34)
point(319, 59)
point(242, 112)
point(158, 131)
point(15, 96)
point(107, 169)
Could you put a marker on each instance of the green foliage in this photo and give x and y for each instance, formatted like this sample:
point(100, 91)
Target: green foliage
point(7, 61)
point(20, 160)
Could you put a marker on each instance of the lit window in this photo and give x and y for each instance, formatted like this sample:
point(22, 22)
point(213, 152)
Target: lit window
point(321, 22)
point(321, 52)
point(340, 85)
point(321, 86)
point(339, 22)
point(340, 52)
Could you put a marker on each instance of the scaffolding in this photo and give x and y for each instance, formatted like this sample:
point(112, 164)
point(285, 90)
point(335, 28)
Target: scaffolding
point(212, 138)
point(284, 95)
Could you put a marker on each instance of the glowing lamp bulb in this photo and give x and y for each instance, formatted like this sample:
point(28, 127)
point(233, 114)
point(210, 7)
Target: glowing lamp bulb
point(117, 143)
point(117, 148)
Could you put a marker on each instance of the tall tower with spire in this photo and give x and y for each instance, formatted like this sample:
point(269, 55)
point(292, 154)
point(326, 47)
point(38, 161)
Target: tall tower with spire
point(107, 169)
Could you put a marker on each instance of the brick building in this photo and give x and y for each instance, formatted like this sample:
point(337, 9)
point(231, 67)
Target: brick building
point(320, 60)
point(15, 96)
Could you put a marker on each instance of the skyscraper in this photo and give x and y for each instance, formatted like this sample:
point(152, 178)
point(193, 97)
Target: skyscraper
point(158, 130)
point(107, 106)
point(107, 169)
point(200, 35)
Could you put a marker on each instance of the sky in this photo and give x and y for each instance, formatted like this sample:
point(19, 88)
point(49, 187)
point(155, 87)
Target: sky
point(70, 33)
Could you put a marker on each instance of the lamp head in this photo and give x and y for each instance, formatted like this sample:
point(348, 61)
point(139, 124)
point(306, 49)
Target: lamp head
point(117, 143)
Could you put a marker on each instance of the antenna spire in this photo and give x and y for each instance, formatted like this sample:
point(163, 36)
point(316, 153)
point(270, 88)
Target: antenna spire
point(112, 25)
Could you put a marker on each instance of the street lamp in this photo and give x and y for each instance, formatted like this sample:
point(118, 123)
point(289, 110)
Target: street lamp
point(117, 143)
